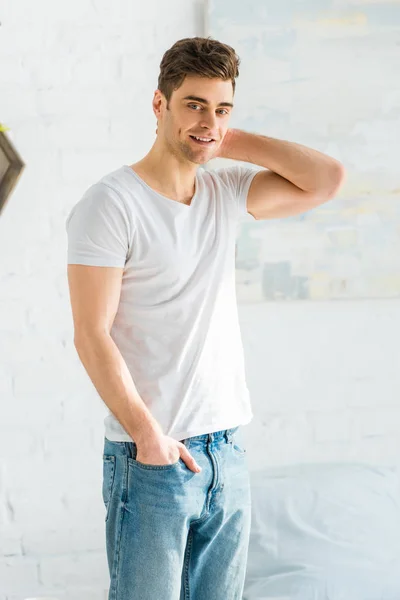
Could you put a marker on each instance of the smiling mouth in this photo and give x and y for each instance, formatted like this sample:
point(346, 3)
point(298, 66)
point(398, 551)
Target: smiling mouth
point(203, 141)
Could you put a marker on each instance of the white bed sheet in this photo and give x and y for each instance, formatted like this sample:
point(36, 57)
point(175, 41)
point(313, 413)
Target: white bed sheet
point(324, 532)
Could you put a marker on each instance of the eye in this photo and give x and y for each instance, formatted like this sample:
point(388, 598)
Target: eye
point(222, 111)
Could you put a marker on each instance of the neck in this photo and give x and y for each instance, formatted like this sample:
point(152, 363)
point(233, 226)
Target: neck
point(167, 173)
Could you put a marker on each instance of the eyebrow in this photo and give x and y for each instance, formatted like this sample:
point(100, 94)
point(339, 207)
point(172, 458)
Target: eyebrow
point(204, 101)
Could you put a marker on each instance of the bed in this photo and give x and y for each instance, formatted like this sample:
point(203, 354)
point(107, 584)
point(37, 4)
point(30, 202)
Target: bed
point(324, 532)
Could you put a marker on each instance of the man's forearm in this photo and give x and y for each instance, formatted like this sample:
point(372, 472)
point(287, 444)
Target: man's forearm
point(308, 169)
point(113, 381)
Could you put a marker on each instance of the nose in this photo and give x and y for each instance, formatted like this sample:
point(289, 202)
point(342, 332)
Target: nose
point(209, 122)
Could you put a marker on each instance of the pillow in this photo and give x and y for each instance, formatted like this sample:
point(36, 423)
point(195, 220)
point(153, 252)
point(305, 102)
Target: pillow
point(324, 532)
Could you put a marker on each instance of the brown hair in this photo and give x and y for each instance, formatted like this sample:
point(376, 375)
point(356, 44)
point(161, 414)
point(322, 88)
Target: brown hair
point(204, 57)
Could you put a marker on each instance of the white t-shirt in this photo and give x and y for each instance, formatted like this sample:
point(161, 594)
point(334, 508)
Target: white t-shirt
point(177, 324)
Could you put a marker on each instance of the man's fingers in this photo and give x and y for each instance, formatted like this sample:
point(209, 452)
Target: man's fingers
point(189, 460)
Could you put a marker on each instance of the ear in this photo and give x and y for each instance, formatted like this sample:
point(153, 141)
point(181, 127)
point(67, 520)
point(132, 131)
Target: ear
point(157, 104)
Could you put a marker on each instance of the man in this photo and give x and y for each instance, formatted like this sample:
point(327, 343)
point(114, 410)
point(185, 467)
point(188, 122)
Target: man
point(152, 284)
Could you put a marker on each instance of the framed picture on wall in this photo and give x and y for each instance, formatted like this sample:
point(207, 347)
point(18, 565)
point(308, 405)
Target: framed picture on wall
point(11, 167)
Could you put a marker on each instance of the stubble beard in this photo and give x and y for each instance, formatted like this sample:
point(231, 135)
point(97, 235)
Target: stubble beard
point(195, 157)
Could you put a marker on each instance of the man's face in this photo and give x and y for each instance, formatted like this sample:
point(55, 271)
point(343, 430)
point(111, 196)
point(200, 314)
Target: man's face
point(202, 108)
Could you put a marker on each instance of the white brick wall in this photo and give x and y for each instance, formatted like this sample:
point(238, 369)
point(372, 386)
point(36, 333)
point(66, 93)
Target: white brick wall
point(76, 92)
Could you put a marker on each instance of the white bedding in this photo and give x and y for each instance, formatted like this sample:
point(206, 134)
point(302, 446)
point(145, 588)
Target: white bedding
point(324, 532)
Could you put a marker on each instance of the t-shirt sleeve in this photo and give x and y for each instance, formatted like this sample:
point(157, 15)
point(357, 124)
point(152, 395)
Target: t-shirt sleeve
point(98, 229)
point(238, 178)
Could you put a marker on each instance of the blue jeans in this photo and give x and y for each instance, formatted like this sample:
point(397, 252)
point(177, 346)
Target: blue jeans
point(171, 533)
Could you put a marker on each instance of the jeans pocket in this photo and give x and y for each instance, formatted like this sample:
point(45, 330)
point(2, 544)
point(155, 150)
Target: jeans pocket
point(144, 466)
point(108, 481)
point(134, 461)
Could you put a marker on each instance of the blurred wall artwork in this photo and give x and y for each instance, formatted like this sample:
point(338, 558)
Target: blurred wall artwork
point(323, 74)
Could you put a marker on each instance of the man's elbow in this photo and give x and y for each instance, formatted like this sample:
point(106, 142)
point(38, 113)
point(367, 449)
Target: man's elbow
point(87, 336)
point(336, 180)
